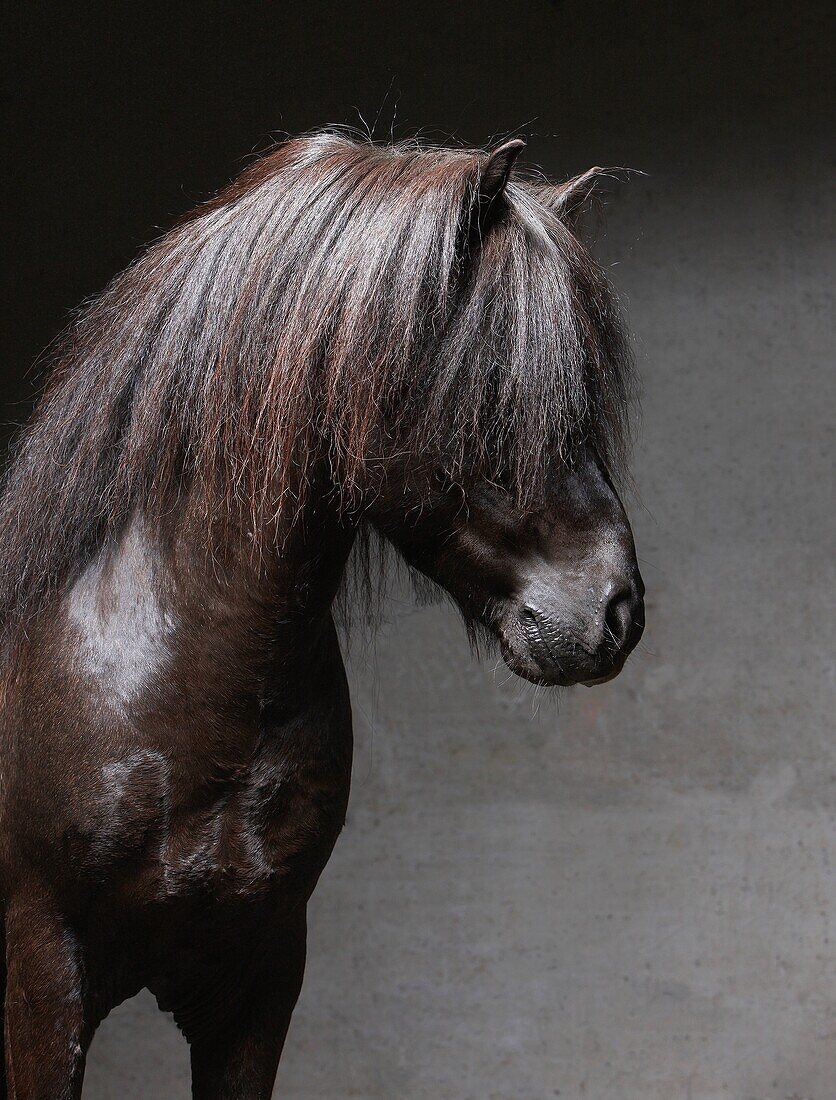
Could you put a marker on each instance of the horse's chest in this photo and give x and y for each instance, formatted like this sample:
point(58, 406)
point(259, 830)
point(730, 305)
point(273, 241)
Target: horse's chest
point(268, 831)
point(266, 826)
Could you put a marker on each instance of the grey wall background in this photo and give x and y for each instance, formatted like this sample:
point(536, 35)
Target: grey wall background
point(620, 894)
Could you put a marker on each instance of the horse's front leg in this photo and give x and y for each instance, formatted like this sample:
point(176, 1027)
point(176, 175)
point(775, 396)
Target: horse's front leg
point(44, 1008)
point(239, 1059)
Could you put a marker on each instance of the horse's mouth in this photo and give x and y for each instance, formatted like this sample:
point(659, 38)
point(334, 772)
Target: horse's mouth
point(530, 654)
point(527, 670)
point(555, 675)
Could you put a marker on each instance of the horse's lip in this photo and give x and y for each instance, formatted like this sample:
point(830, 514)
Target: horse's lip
point(559, 675)
point(528, 672)
point(564, 678)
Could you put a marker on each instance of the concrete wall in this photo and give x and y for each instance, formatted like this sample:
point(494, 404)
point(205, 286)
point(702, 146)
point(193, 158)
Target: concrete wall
point(625, 893)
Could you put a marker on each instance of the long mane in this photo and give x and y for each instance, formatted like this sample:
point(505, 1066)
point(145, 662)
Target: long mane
point(339, 302)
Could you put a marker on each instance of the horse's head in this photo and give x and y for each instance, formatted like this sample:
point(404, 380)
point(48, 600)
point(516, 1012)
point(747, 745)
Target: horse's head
point(506, 501)
point(558, 585)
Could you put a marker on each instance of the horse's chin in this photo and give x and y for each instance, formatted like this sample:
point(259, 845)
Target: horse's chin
point(532, 671)
point(552, 675)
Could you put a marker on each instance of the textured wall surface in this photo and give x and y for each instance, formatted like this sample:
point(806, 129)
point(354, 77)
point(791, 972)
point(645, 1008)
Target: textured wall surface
point(626, 893)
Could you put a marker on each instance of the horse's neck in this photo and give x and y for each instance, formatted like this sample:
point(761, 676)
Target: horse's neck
point(154, 617)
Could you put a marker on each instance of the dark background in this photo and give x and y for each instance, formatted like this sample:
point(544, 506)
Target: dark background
point(631, 897)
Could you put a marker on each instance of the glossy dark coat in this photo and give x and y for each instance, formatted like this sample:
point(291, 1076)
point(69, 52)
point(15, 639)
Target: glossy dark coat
point(176, 729)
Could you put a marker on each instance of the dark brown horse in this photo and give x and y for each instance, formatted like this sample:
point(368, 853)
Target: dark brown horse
point(351, 338)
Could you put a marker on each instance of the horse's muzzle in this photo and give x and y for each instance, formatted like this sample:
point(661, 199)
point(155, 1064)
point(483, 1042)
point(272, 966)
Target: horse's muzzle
point(561, 648)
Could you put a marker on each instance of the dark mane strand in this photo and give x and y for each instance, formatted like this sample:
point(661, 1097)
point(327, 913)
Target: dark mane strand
point(340, 303)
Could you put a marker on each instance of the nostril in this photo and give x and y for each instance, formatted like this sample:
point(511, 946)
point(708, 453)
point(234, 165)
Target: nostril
point(618, 617)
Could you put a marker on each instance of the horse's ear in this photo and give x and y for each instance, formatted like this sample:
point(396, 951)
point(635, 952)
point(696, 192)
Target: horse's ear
point(567, 199)
point(497, 169)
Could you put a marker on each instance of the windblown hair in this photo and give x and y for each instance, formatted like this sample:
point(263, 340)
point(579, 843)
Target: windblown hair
point(342, 305)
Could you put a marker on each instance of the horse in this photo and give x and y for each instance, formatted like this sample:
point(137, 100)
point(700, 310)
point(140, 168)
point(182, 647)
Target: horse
point(351, 342)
